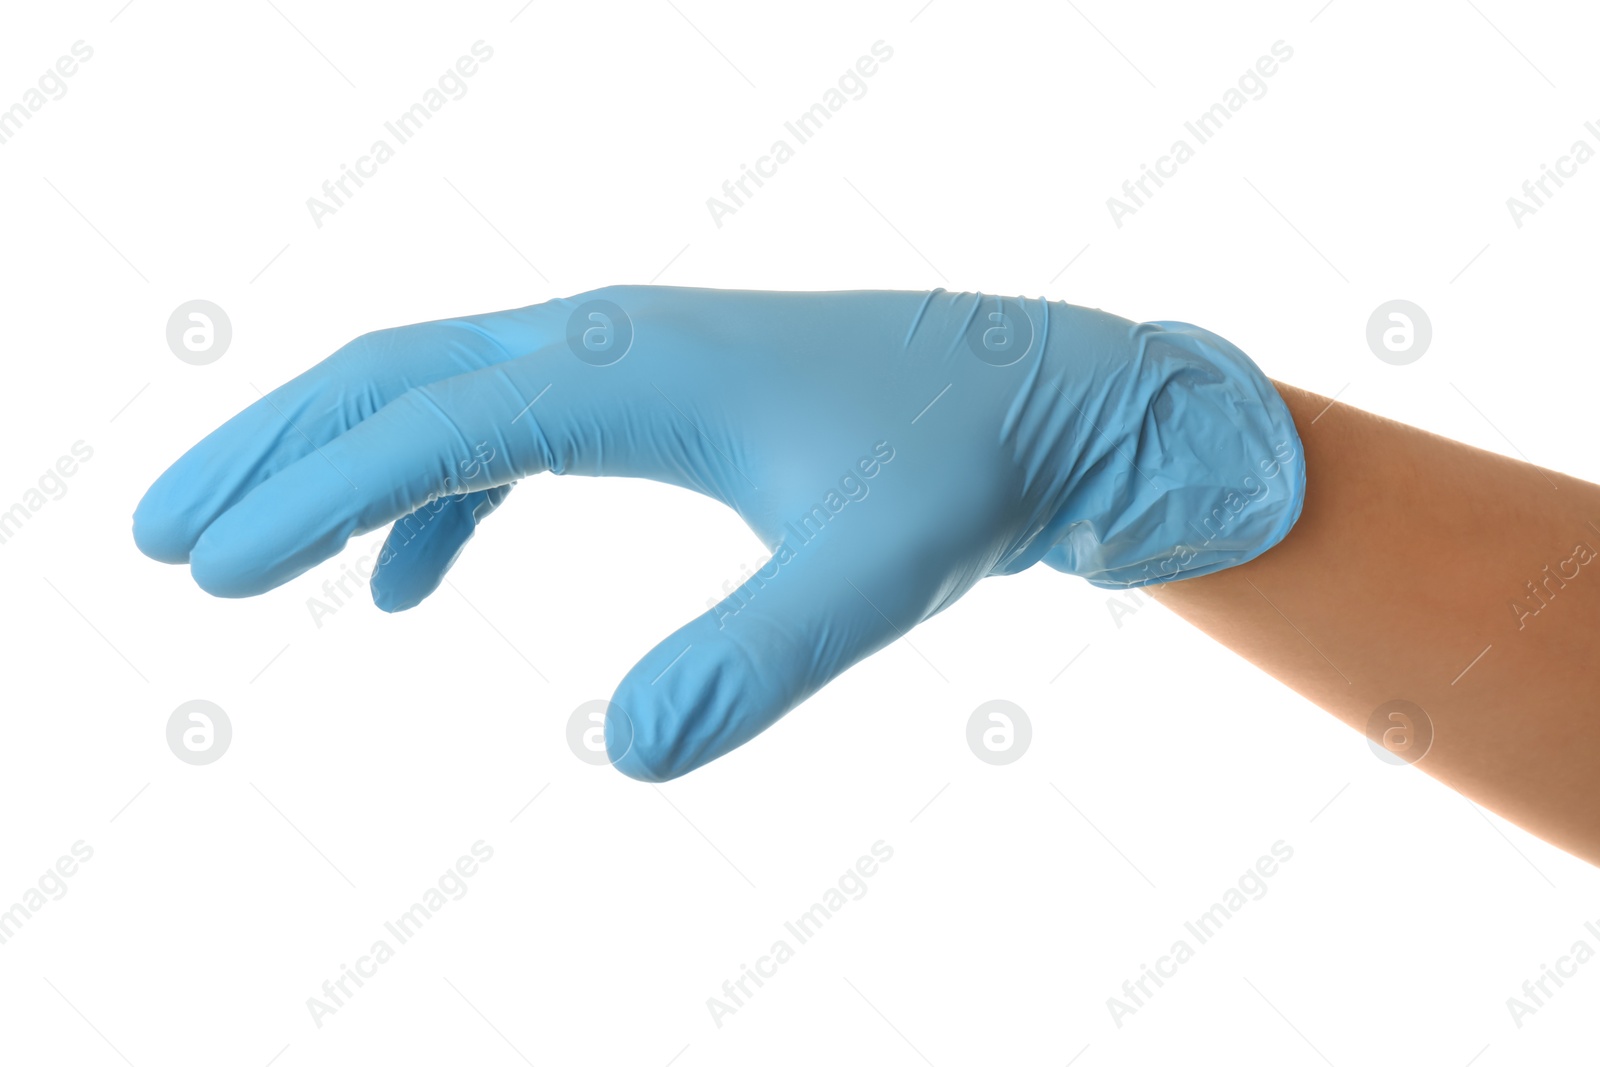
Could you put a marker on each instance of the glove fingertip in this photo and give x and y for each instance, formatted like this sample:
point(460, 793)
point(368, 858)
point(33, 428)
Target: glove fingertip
point(422, 547)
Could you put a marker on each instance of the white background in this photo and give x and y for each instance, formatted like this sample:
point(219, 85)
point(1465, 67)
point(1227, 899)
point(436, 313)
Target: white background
point(372, 751)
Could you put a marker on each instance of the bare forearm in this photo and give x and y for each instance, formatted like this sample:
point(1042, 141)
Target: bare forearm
point(1408, 577)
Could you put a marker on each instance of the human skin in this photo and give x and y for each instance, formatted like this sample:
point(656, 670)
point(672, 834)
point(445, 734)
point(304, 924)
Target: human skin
point(1408, 561)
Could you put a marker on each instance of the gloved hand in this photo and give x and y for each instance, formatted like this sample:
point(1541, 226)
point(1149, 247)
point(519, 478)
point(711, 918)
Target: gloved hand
point(890, 448)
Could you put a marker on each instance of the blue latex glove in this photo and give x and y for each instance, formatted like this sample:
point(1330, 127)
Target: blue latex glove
point(890, 448)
